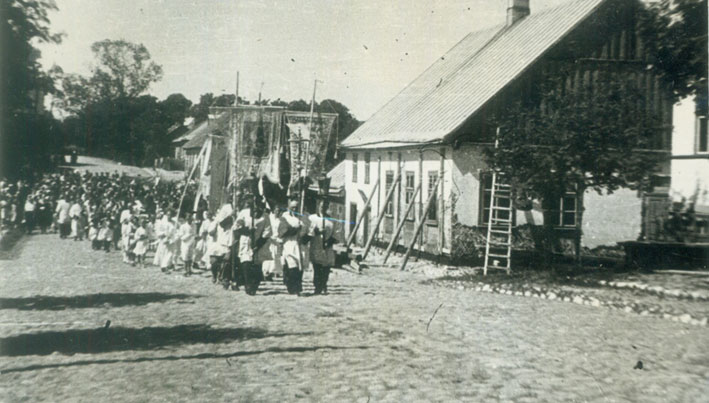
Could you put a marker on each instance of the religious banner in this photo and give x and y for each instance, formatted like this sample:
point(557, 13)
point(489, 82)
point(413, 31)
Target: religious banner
point(309, 141)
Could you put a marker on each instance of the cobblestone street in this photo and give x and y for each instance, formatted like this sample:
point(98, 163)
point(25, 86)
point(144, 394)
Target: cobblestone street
point(379, 336)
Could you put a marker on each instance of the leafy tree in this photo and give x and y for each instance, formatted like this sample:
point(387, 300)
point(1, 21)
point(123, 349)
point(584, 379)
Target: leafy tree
point(175, 108)
point(675, 32)
point(25, 128)
point(118, 121)
point(346, 124)
point(200, 111)
point(299, 105)
point(576, 139)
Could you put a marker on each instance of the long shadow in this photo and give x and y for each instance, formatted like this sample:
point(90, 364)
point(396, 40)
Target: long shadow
point(202, 356)
point(58, 303)
point(11, 244)
point(103, 340)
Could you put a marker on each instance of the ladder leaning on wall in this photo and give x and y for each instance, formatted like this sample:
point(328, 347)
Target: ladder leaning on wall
point(498, 243)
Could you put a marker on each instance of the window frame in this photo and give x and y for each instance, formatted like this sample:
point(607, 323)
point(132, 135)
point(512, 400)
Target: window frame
point(367, 167)
point(409, 194)
point(431, 177)
point(486, 194)
point(559, 209)
point(388, 183)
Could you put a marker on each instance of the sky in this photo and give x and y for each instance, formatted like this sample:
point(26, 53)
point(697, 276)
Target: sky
point(363, 52)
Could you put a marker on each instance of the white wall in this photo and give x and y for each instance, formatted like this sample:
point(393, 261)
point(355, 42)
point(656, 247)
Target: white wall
point(611, 218)
point(384, 160)
point(607, 218)
point(690, 176)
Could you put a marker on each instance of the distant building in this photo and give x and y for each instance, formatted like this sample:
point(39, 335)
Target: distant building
point(197, 137)
point(181, 134)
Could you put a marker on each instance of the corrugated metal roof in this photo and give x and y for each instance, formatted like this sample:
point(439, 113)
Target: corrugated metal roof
point(337, 179)
point(465, 78)
point(337, 176)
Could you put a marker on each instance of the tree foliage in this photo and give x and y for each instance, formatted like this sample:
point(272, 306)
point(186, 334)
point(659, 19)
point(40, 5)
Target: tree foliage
point(597, 139)
point(675, 31)
point(26, 129)
point(573, 139)
point(111, 115)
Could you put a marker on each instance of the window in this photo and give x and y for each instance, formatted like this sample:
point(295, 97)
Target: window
point(354, 167)
point(702, 135)
point(409, 192)
point(564, 210)
point(389, 182)
point(366, 168)
point(486, 201)
point(433, 190)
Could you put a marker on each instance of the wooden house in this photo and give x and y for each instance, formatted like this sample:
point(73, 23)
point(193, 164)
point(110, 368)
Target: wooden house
point(437, 126)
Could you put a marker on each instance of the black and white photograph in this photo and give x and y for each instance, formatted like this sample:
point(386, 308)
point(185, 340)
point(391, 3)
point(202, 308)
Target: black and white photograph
point(354, 201)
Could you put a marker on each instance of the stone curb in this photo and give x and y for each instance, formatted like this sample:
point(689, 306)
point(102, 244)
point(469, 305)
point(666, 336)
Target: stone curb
point(567, 296)
point(656, 290)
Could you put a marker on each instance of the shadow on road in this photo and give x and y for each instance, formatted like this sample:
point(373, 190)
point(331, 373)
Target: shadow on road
point(94, 341)
point(203, 356)
point(10, 244)
point(57, 303)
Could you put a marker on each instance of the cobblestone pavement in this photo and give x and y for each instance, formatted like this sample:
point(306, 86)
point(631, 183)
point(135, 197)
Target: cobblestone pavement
point(379, 336)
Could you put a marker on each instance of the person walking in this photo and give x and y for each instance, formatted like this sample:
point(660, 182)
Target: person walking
point(322, 255)
point(127, 229)
point(63, 219)
point(141, 243)
point(220, 255)
point(75, 214)
point(293, 258)
point(186, 233)
point(30, 216)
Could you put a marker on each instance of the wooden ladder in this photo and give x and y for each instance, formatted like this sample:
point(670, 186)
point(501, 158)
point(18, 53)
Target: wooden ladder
point(498, 243)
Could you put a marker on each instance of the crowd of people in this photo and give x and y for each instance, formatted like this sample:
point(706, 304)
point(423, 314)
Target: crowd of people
point(262, 239)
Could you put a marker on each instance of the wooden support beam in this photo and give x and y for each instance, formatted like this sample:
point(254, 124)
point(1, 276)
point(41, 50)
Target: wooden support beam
point(361, 215)
point(401, 223)
point(420, 224)
point(380, 217)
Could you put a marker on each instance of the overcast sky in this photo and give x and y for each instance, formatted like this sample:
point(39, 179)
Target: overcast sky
point(364, 51)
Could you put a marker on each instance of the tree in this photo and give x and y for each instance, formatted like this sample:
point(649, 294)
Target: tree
point(200, 111)
point(675, 32)
point(25, 128)
point(346, 124)
point(576, 139)
point(175, 108)
point(118, 121)
point(122, 70)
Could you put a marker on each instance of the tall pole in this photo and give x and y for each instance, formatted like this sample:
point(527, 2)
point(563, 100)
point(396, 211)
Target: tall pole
point(236, 100)
point(307, 149)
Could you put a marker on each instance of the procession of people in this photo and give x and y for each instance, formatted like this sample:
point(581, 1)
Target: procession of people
point(261, 239)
